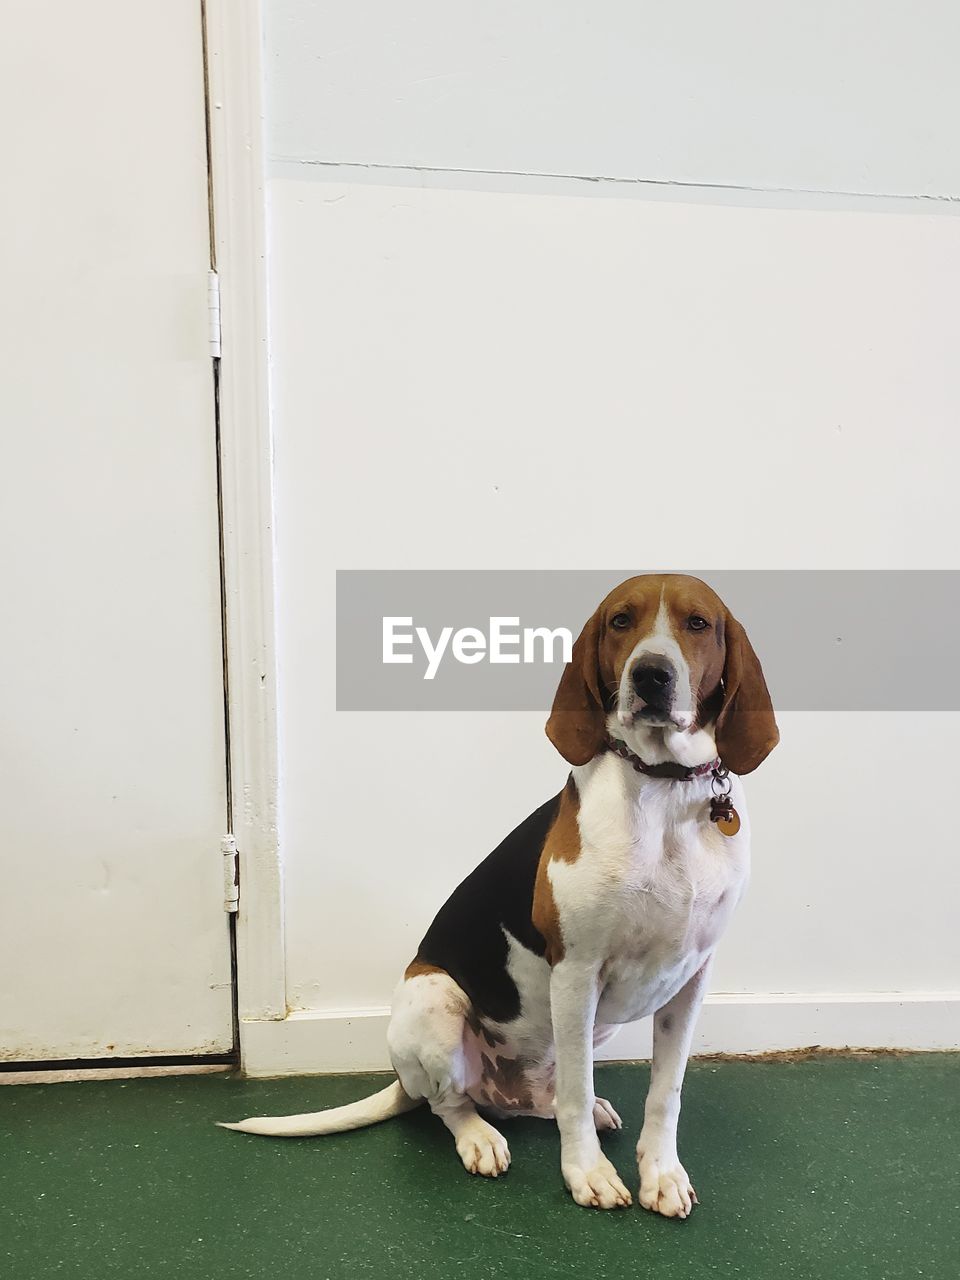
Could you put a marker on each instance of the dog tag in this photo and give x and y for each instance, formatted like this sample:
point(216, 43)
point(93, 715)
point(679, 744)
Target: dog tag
point(729, 826)
point(724, 815)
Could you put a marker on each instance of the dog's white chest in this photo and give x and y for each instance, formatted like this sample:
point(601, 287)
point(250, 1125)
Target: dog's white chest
point(653, 889)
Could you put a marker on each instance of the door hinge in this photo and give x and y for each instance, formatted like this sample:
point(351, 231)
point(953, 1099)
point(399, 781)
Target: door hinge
point(213, 314)
point(231, 873)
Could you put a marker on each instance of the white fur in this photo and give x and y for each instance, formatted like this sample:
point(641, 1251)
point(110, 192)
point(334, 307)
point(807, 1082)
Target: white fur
point(642, 910)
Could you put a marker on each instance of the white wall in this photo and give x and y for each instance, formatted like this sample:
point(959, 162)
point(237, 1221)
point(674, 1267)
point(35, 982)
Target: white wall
point(837, 95)
point(465, 370)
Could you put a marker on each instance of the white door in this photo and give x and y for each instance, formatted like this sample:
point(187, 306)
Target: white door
point(113, 937)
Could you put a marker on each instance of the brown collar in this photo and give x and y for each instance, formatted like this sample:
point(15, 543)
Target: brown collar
point(668, 769)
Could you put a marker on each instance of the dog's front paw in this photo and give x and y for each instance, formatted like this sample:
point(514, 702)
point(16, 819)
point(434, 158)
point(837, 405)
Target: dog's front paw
point(598, 1187)
point(664, 1186)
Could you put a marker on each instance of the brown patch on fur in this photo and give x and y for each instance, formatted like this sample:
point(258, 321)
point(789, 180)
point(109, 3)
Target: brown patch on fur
point(416, 968)
point(746, 729)
point(505, 1083)
point(561, 845)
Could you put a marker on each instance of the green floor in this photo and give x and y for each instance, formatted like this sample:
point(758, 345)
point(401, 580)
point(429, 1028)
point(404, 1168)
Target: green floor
point(829, 1168)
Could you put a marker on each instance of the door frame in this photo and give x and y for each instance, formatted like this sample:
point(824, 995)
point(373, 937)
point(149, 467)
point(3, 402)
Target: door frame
point(233, 32)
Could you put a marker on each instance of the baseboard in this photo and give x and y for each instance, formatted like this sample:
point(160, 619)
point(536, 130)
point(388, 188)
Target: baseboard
point(84, 1075)
point(315, 1042)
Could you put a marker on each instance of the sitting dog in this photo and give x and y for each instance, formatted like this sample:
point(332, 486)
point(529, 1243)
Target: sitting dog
point(604, 906)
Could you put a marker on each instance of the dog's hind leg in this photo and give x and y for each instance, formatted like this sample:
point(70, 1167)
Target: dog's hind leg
point(426, 1043)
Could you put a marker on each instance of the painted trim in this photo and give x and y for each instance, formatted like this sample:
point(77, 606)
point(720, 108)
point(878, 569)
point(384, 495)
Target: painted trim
point(234, 72)
point(313, 1042)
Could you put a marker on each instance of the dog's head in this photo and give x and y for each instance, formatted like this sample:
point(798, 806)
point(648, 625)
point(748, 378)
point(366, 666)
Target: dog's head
point(665, 660)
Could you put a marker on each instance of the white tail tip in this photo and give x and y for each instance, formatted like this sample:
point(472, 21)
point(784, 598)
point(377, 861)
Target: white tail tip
point(391, 1101)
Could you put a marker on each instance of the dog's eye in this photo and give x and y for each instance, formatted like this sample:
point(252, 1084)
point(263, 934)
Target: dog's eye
point(620, 621)
point(696, 623)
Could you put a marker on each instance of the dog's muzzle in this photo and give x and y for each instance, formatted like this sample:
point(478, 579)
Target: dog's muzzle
point(654, 681)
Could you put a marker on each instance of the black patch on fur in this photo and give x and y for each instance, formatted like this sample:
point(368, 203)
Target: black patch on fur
point(466, 938)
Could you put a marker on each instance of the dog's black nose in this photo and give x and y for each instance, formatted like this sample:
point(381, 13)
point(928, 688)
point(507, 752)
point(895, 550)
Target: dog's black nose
point(653, 679)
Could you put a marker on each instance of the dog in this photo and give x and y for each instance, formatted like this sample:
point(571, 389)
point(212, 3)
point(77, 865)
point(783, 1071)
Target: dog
point(604, 906)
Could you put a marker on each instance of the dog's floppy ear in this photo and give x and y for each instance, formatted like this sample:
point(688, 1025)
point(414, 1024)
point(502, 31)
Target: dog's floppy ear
point(746, 730)
point(577, 724)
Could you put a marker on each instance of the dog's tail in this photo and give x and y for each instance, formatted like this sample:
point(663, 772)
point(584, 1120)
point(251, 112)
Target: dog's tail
point(389, 1102)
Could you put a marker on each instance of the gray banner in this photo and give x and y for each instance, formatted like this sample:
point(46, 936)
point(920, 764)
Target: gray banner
point(828, 641)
